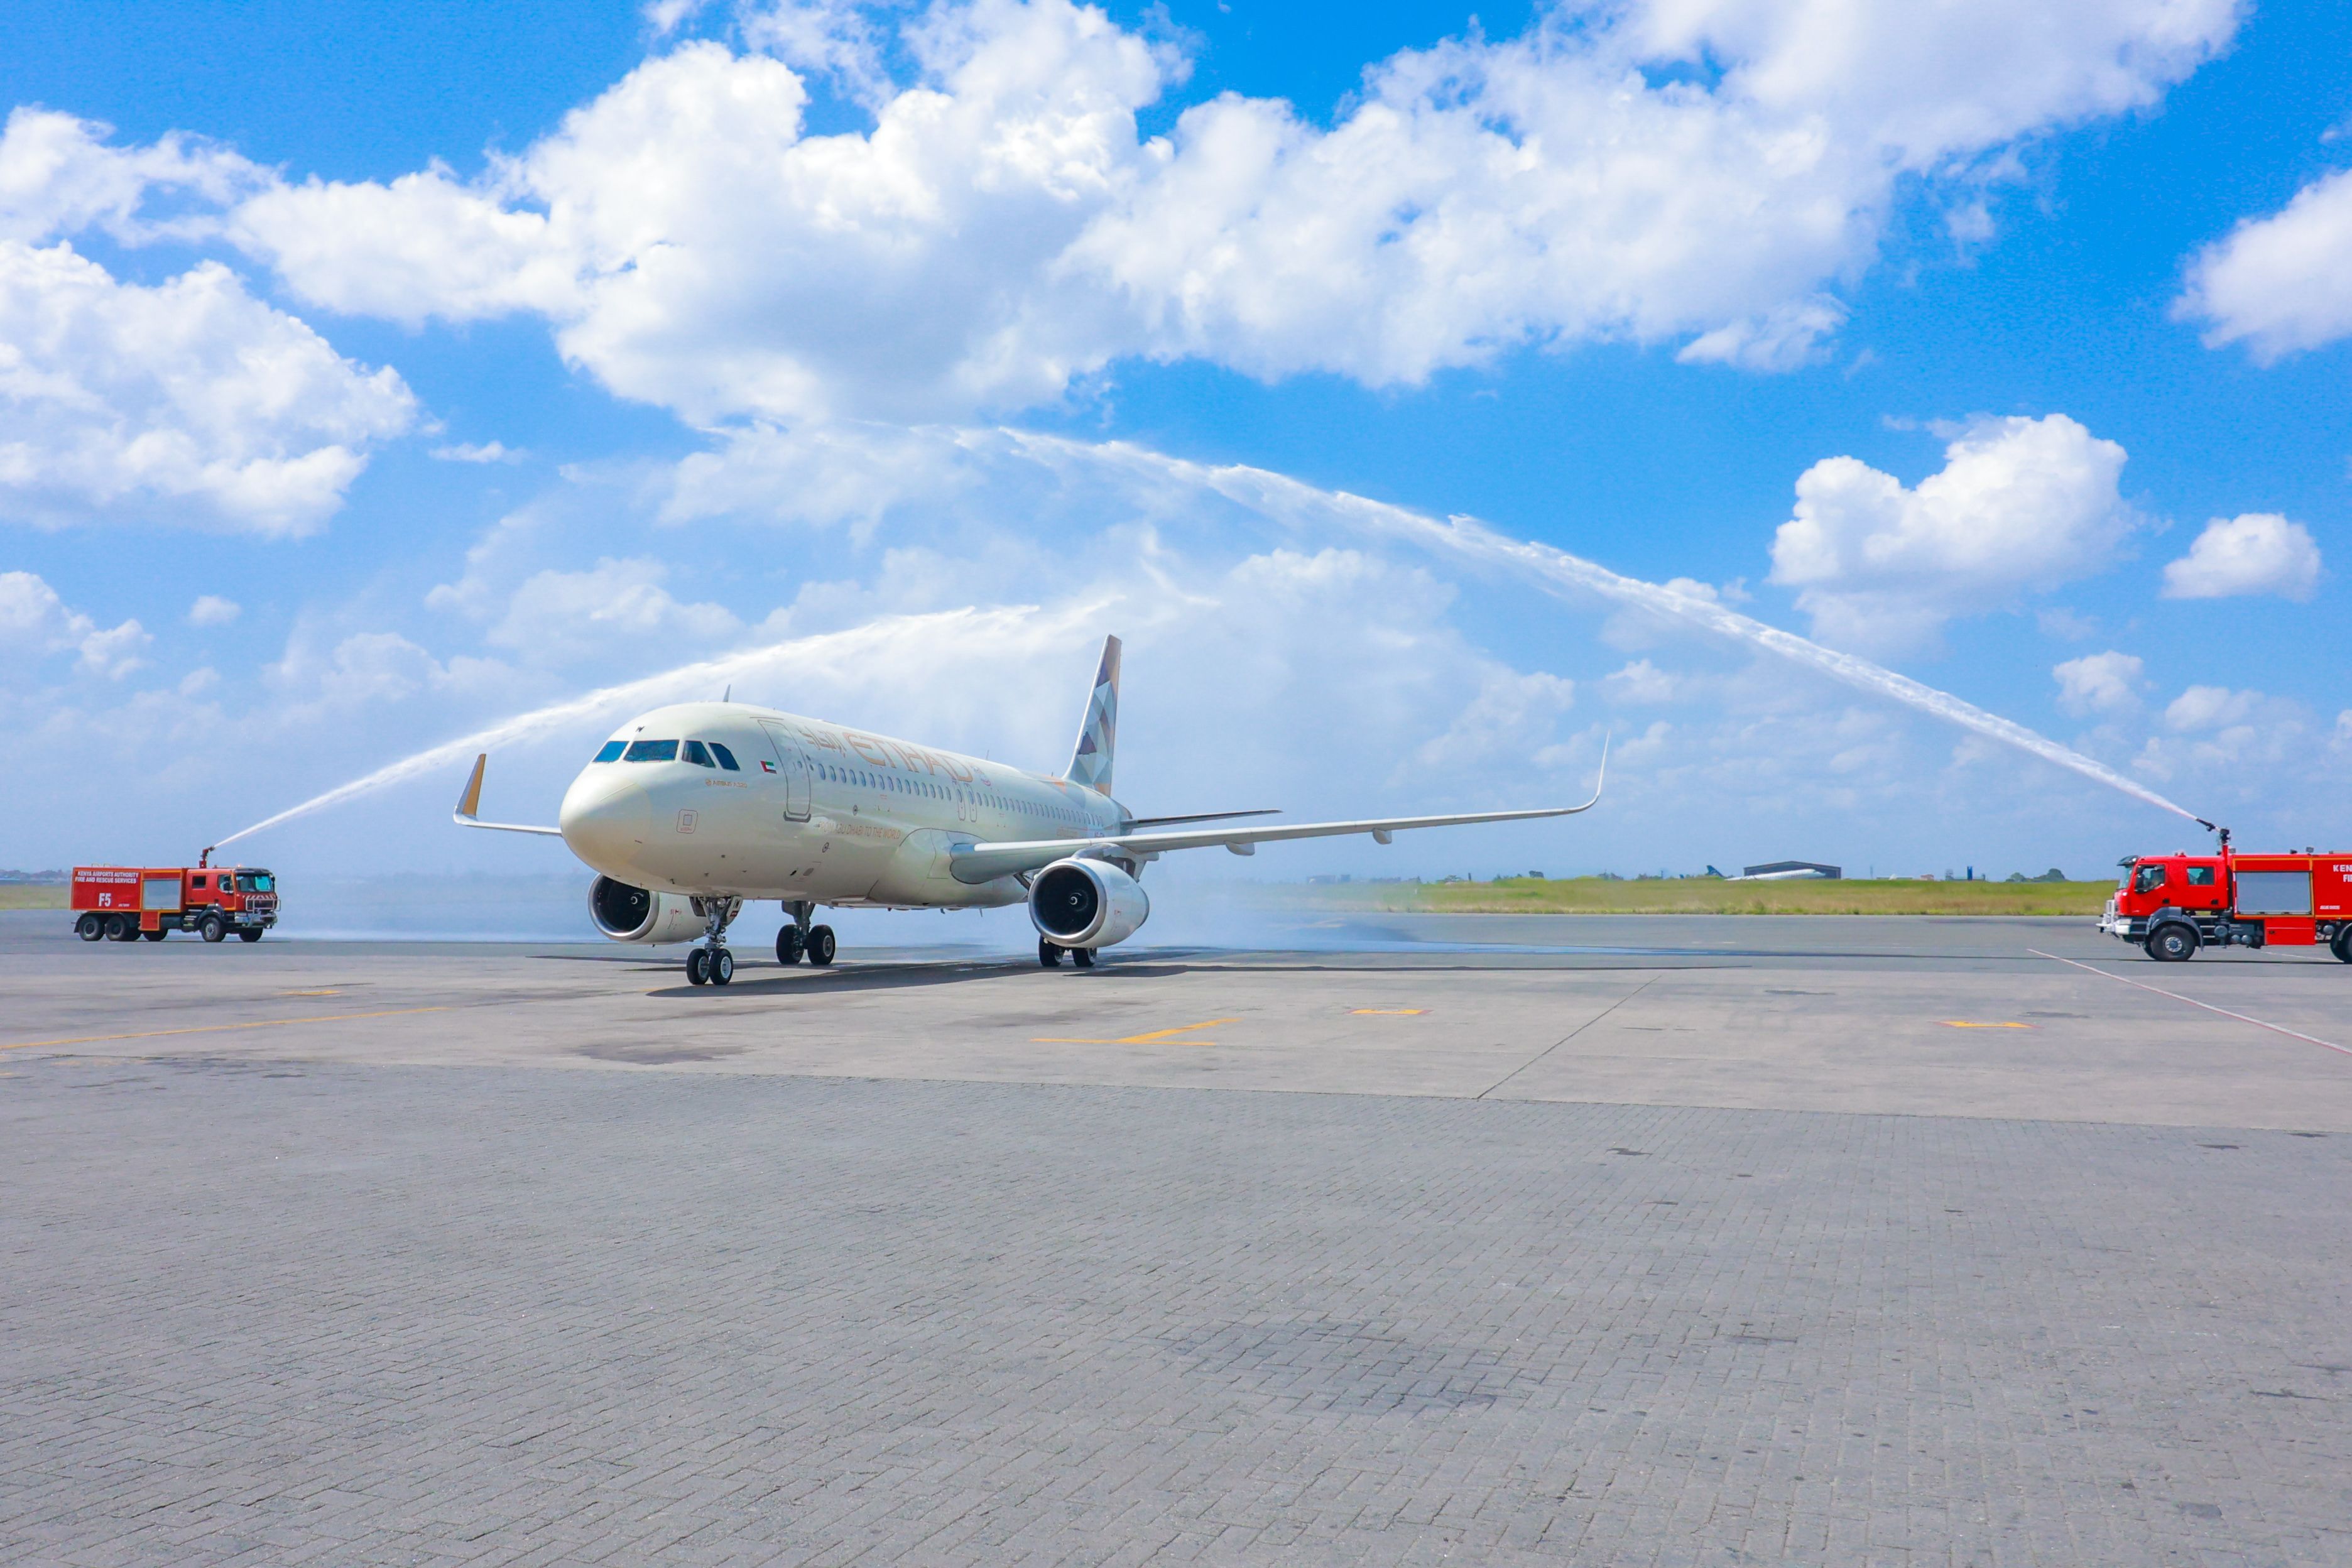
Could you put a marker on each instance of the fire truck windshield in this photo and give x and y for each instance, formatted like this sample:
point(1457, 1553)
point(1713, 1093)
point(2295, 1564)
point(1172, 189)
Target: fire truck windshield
point(255, 882)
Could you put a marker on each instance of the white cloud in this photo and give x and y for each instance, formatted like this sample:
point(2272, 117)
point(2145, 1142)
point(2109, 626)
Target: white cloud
point(556, 616)
point(2281, 283)
point(58, 176)
point(487, 452)
point(212, 610)
point(2099, 682)
point(1002, 232)
point(190, 399)
point(1641, 684)
point(2020, 504)
point(2258, 553)
point(2209, 708)
point(34, 623)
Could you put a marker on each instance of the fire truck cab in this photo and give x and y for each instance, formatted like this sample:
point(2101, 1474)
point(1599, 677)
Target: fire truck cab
point(125, 903)
point(2173, 905)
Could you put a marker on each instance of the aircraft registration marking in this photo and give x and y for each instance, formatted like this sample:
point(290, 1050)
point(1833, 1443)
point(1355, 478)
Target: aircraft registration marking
point(1152, 1038)
point(1965, 1024)
point(1386, 1011)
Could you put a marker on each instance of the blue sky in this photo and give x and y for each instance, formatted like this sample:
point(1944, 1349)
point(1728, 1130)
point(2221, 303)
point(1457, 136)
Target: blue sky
point(357, 399)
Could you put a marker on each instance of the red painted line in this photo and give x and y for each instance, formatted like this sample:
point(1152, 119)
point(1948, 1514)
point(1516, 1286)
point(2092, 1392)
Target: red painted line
point(2176, 997)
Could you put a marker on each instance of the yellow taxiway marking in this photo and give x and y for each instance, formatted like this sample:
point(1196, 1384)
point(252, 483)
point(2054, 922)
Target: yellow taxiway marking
point(309, 993)
point(1154, 1036)
point(1965, 1024)
point(216, 1028)
point(1386, 1011)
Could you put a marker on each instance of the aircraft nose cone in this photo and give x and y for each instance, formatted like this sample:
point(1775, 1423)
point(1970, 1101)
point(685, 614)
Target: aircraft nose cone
point(606, 819)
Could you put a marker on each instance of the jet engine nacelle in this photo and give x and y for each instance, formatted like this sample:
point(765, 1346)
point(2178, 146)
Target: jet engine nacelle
point(1086, 903)
point(632, 914)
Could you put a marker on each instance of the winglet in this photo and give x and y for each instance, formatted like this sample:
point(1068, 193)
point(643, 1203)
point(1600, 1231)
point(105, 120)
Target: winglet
point(470, 802)
point(1602, 774)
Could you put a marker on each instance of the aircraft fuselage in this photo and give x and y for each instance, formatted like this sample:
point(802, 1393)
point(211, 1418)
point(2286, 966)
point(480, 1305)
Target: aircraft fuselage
point(810, 811)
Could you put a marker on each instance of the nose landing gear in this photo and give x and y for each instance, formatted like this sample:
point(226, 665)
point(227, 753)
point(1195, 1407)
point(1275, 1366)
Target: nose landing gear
point(711, 964)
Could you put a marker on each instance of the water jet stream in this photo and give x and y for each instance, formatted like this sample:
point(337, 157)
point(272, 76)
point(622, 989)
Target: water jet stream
point(1562, 575)
point(636, 695)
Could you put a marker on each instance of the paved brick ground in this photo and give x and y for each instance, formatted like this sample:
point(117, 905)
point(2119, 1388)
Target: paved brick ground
point(277, 1313)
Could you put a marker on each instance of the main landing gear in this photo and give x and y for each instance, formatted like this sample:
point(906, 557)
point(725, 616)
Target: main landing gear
point(801, 939)
point(1049, 955)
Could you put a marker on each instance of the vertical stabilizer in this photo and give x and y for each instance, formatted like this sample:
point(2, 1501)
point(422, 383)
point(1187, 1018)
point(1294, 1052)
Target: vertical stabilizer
point(1099, 731)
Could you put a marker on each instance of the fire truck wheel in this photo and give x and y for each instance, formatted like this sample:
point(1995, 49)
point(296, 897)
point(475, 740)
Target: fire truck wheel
point(789, 944)
point(121, 928)
point(251, 933)
point(2342, 947)
point(698, 967)
point(2172, 944)
point(722, 967)
point(820, 945)
point(89, 927)
point(155, 935)
point(213, 929)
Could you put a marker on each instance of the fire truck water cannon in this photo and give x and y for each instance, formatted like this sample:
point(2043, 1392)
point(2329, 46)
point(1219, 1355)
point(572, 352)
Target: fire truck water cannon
point(2174, 905)
point(128, 903)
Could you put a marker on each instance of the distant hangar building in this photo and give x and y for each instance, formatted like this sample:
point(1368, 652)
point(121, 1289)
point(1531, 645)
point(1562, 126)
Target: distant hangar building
point(1785, 867)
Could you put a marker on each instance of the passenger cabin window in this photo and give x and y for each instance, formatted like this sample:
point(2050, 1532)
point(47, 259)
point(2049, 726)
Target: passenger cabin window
point(698, 754)
point(611, 751)
point(2201, 876)
point(652, 752)
point(2150, 880)
point(199, 883)
point(726, 758)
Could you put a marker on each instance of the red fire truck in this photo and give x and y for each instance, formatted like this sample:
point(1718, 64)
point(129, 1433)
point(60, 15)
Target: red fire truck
point(2174, 904)
point(124, 904)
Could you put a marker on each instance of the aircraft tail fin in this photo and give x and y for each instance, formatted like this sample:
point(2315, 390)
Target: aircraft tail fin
point(1090, 760)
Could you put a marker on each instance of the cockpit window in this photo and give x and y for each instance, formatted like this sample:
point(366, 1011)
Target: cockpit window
point(611, 751)
point(726, 758)
point(698, 754)
point(652, 752)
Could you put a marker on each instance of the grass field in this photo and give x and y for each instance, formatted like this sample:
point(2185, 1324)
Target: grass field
point(32, 895)
point(1710, 896)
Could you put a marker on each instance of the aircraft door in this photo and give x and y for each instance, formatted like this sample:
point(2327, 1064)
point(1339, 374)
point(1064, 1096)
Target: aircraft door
point(793, 762)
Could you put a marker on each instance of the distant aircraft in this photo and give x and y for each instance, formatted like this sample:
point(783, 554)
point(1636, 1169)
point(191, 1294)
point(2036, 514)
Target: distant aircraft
point(1800, 874)
point(692, 809)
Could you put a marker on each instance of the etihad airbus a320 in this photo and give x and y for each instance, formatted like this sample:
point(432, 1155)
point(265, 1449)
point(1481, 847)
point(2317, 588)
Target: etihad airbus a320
point(689, 810)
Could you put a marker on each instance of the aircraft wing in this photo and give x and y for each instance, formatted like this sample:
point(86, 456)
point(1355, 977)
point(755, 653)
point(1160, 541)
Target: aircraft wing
point(470, 801)
point(985, 861)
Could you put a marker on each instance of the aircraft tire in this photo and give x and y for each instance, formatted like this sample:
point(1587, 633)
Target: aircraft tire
point(1049, 955)
point(214, 929)
point(89, 927)
point(698, 967)
point(821, 946)
point(1082, 957)
point(722, 967)
point(790, 945)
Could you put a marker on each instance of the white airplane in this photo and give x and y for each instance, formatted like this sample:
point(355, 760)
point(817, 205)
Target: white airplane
point(692, 809)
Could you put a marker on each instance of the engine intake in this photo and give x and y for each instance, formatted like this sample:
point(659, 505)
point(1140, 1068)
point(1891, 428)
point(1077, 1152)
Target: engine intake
point(632, 914)
point(1086, 903)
